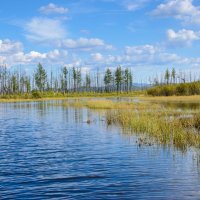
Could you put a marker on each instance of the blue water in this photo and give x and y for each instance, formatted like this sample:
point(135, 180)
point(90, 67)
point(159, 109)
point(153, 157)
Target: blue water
point(49, 152)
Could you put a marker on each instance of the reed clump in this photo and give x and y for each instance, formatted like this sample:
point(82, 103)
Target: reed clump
point(161, 125)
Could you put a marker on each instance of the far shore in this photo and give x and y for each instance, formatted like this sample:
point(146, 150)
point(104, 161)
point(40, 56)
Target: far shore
point(195, 98)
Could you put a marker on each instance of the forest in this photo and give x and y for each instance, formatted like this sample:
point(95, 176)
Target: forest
point(67, 81)
point(73, 80)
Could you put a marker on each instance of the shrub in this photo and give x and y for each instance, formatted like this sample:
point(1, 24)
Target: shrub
point(175, 89)
point(36, 94)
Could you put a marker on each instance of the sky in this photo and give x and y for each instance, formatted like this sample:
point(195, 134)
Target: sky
point(147, 36)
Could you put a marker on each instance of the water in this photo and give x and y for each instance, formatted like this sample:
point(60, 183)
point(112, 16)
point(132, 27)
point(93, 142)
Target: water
point(49, 152)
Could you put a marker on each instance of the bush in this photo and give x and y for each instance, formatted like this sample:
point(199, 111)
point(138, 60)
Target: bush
point(182, 89)
point(36, 94)
point(175, 89)
point(194, 88)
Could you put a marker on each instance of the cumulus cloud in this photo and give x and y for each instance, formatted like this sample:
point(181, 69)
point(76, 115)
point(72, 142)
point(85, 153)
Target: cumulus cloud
point(182, 37)
point(53, 9)
point(54, 56)
point(132, 56)
point(45, 29)
point(139, 55)
point(12, 53)
point(150, 54)
point(97, 57)
point(183, 10)
point(53, 33)
point(7, 46)
point(84, 44)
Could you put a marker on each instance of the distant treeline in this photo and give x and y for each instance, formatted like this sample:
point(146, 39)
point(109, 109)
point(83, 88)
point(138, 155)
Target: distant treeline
point(175, 84)
point(68, 80)
point(75, 81)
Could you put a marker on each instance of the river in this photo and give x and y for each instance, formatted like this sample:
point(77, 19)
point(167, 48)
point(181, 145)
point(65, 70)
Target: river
point(51, 152)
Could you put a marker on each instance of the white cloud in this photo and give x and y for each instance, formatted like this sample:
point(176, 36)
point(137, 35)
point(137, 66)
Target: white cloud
point(7, 46)
point(53, 9)
point(144, 56)
point(132, 5)
point(45, 29)
point(53, 33)
point(139, 55)
point(49, 57)
point(84, 44)
point(183, 10)
point(141, 50)
point(149, 54)
point(97, 57)
point(12, 53)
point(182, 37)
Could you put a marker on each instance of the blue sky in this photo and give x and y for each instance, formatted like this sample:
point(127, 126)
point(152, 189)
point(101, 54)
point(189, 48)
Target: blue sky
point(147, 36)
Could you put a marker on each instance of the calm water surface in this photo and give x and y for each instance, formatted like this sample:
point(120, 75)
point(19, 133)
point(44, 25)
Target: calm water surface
point(49, 152)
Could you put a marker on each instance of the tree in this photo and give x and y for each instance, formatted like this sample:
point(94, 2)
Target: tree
point(87, 81)
point(127, 79)
point(118, 78)
point(79, 78)
point(27, 84)
point(167, 76)
point(40, 78)
point(14, 83)
point(65, 72)
point(107, 79)
point(130, 80)
point(173, 75)
point(74, 74)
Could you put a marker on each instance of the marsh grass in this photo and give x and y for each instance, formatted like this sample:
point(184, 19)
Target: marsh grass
point(167, 126)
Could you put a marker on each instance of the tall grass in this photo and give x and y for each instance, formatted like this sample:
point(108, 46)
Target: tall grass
point(161, 126)
point(167, 126)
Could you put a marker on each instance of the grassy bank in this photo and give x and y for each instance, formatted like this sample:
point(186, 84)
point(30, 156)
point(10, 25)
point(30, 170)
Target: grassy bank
point(182, 89)
point(40, 96)
point(170, 127)
point(140, 95)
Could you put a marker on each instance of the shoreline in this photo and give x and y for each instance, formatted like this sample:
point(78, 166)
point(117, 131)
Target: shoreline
point(192, 99)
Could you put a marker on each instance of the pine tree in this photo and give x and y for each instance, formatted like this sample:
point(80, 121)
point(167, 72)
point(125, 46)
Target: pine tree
point(79, 78)
point(130, 80)
point(65, 72)
point(167, 76)
point(40, 77)
point(74, 74)
point(126, 79)
point(14, 83)
point(173, 75)
point(107, 79)
point(118, 78)
point(87, 81)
